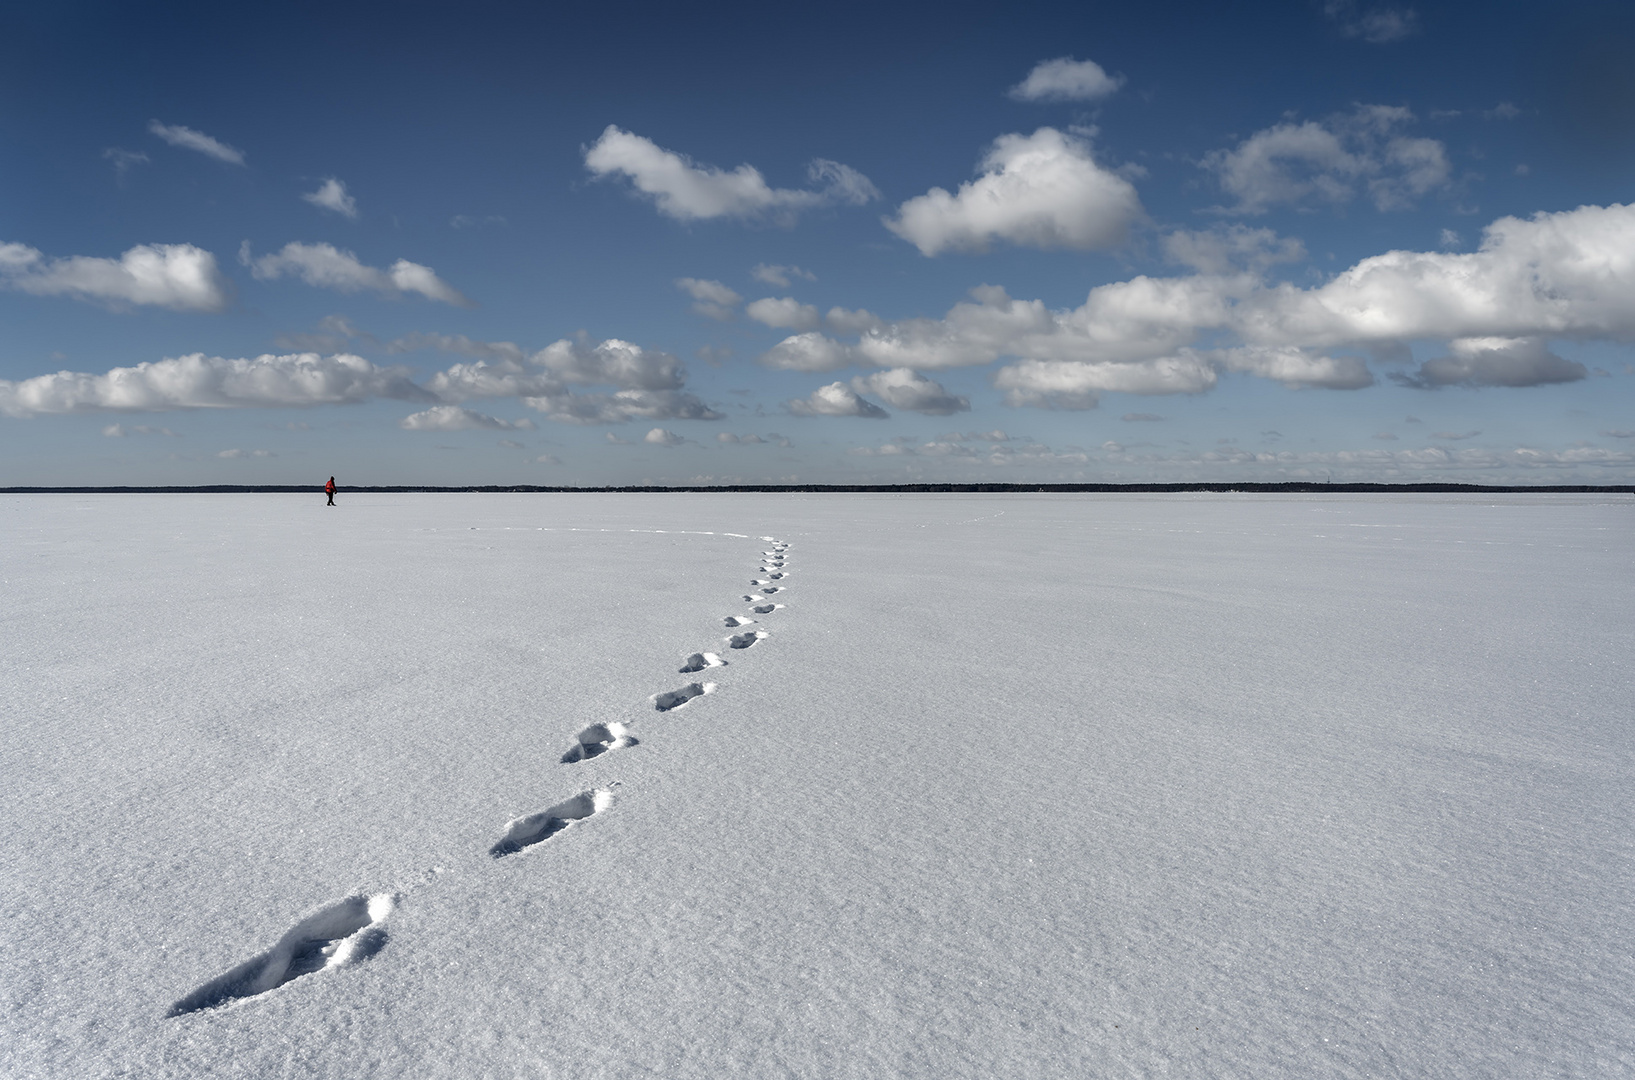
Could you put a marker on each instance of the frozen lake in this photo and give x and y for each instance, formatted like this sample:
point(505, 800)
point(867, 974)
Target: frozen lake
point(1010, 786)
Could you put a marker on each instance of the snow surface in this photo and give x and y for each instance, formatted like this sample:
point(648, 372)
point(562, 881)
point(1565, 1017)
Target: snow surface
point(991, 786)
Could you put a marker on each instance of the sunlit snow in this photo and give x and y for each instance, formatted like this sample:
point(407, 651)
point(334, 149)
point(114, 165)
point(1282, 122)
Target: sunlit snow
point(1020, 785)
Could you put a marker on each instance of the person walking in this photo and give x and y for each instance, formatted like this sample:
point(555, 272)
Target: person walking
point(329, 489)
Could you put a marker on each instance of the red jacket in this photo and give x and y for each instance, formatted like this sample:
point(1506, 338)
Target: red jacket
point(330, 487)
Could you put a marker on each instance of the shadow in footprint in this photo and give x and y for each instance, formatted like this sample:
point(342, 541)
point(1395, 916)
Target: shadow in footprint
point(744, 641)
point(770, 589)
point(343, 933)
point(737, 620)
point(525, 832)
point(675, 699)
point(766, 609)
point(701, 660)
point(599, 739)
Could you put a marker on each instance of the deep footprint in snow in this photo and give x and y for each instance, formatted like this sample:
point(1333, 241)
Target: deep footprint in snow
point(675, 699)
point(769, 590)
point(343, 933)
point(766, 609)
point(738, 620)
point(744, 641)
point(599, 739)
point(699, 661)
point(525, 832)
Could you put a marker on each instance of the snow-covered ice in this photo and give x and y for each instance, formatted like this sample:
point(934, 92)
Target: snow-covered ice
point(1008, 785)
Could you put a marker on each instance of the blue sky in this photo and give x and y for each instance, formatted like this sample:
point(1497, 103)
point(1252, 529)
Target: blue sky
point(605, 244)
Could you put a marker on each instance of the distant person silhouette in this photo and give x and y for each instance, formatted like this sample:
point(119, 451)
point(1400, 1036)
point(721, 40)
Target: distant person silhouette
point(329, 489)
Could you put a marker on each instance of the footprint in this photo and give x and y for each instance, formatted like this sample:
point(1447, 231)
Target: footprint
point(524, 832)
point(343, 933)
point(599, 739)
point(761, 581)
point(770, 589)
point(740, 620)
point(744, 641)
point(701, 660)
point(752, 598)
point(766, 609)
point(675, 699)
point(774, 577)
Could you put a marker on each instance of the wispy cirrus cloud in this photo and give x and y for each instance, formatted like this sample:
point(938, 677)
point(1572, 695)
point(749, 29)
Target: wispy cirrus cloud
point(198, 141)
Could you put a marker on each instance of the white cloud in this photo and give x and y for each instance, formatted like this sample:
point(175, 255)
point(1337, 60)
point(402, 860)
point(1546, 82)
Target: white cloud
point(325, 266)
point(836, 399)
point(1225, 249)
point(660, 437)
point(1077, 384)
point(780, 275)
point(456, 418)
point(1329, 162)
point(612, 363)
point(120, 431)
point(785, 313)
point(1376, 25)
point(688, 192)
point(176, 276)
point(620, 406)
point(188, 139)
point(1066, 79)
point(1561, 275)
point(852, 322)
point(905, 388)
point(729, 437)
point(331, 195)
point(710, 298)
point(1495, 361)
point(124, 160)
point(210, 382)
point(809, 352)
point(1043, 190)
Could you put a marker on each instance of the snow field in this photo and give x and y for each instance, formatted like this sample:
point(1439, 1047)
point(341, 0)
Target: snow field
point(1018, 786)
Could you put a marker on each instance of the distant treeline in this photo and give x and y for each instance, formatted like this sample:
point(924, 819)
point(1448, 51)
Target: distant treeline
point(887, 489)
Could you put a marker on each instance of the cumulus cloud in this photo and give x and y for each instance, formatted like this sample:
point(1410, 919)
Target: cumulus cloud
point(188, 139)
point(1375, 25)
point(785, 313)
point(689, 192)
point(1556, 275)
point(1066, 79)
point(331, 195)
point(198, 381)
point(176, 276)
point(780, 275)
point(905, 388)
point(456, 418)
point(620, 406)
point(809, 352)
point(661, 437)
point(1043, 190)
point(1331, 161)
point(710, 298)
point(1495, 361)
point(852, 322)
point(612, 362)
point(1229, 248)
point(836, 399)
point(729, 437)
point(325, 266)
